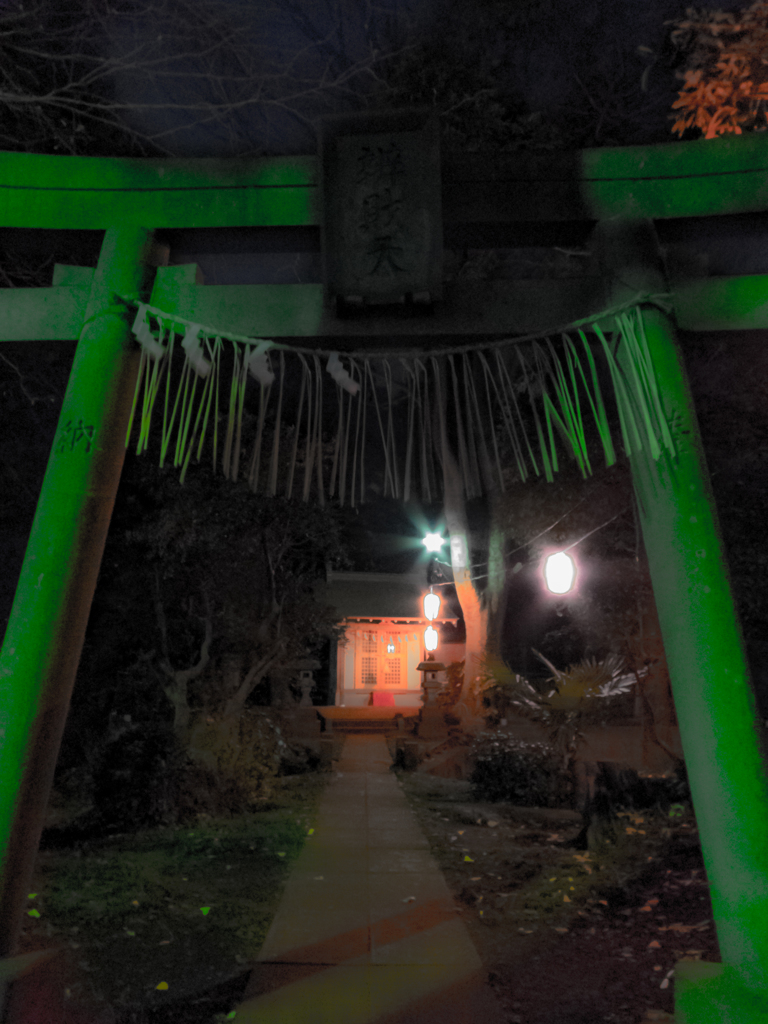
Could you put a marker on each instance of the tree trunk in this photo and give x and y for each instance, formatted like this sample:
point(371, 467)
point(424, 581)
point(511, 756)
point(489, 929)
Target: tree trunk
point(475, 616)
point(241, 690)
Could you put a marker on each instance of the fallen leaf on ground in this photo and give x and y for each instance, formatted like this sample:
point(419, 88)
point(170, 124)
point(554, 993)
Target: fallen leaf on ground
point(162, 986)
point(654, 944)
point(492, 824)
point(561, 930)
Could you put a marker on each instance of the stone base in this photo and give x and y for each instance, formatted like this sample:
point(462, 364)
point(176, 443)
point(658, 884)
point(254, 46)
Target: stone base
point(407, 756)
point(432, 724)
point(302, 722)
point(707, 993)
point(451, 764)
point(326, 753)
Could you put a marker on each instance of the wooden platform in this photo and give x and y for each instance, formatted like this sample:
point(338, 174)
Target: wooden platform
point(366, 719)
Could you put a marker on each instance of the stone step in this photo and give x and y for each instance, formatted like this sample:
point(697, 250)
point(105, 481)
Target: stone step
point(370, 725)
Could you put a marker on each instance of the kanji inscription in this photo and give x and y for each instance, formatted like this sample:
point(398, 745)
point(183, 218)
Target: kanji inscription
point(382, 194)
point(74, 434)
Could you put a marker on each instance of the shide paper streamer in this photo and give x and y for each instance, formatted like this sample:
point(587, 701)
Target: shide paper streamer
point(387, 405)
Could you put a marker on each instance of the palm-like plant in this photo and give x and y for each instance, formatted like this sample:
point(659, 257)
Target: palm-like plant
point(581, 695)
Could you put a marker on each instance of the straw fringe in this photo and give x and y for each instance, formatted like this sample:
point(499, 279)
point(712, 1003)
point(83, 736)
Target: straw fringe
point(469, 395)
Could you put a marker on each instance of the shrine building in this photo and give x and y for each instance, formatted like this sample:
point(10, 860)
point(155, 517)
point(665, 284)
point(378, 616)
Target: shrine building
point(375, 662)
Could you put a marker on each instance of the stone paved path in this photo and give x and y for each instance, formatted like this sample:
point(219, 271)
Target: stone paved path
point(367, 931)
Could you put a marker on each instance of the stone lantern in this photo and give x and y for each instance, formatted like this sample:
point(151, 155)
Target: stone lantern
point(306, 680)
point(431, 720)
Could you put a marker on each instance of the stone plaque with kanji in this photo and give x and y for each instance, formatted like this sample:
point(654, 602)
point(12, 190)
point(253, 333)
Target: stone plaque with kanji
point(382, 204)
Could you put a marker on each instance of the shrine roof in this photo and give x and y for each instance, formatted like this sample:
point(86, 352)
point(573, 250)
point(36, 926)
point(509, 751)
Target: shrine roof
point(382, 595)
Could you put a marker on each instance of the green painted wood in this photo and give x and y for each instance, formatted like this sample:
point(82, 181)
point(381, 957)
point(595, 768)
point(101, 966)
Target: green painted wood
point(708, 670)
point(470, 308)
point(675, 179)
point(67, 276)
point(46, 627)
point(42, 314)
point(723, 304)
point(39, 191)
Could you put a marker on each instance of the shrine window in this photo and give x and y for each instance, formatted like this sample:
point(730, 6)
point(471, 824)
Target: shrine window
point(380, 659)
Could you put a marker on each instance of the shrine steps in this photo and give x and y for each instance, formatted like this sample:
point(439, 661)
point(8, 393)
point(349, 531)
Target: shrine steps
point(378, 720)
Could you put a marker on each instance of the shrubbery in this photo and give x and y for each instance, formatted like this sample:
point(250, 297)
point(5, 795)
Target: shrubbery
point(243, 754)
point(526, 774)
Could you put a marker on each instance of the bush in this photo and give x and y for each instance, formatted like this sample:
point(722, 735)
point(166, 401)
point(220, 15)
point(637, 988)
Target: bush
point(133, 779)
point(629, 789)
point(526, 774)
point(243, 754)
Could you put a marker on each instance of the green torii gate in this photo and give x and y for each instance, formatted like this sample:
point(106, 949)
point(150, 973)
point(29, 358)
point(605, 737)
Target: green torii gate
point(621, 189)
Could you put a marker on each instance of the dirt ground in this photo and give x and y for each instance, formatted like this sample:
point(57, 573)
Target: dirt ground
point(569, 936)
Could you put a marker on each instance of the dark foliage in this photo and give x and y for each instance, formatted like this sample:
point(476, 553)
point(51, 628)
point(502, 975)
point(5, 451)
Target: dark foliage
point(525, 774)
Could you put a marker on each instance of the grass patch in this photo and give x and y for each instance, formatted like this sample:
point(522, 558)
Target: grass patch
point(183, 908)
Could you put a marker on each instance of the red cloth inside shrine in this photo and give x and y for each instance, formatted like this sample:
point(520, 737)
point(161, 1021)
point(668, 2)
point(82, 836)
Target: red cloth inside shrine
point(379, 700)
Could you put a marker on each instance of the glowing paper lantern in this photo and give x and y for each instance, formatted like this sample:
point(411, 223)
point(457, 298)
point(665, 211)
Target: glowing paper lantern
point(430, 638)
point(431, 606)
point(559, 572)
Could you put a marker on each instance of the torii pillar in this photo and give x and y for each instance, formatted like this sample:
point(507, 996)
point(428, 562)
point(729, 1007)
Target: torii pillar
point(707, 663)
point(47, 625)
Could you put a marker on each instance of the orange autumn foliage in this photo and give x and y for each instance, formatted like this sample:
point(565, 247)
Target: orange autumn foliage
point(726, 77)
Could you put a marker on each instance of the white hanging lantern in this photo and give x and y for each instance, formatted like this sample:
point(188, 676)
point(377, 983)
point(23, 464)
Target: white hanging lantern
point(430, 638)
point(431, 606)
point(559, 573)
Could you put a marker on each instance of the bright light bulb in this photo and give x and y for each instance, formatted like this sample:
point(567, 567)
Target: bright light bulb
point(559, 572)
point(431, 606)
point(430, 638)
point(433, 542)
